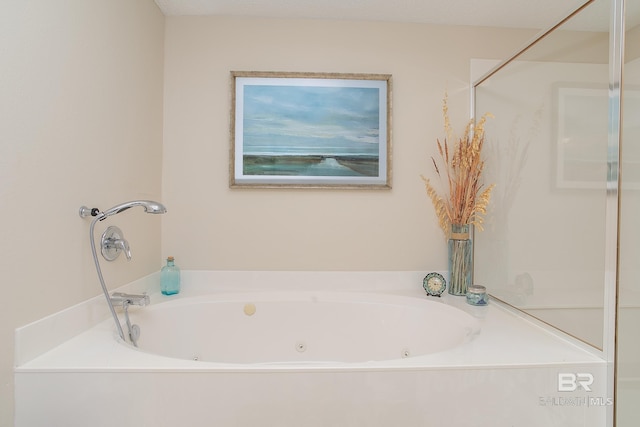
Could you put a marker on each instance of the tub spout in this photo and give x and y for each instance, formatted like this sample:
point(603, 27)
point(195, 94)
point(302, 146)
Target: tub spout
point(122, 299)
point(127, 300)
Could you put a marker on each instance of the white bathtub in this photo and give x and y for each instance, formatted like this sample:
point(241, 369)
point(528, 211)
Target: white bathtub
point(281, 327)
point(321, 349)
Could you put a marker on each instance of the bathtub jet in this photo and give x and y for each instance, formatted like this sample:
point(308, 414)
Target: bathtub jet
point(149, 206)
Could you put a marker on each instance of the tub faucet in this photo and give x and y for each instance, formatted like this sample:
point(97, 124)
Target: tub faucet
point(122, 299)
point(126, 300)
point(149, 206)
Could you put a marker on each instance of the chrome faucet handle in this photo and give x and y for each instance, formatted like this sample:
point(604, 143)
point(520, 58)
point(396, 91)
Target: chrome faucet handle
point(112, 243)
point(123, 245)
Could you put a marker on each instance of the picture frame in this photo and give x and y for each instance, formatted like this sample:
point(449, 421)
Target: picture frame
point(310, 130)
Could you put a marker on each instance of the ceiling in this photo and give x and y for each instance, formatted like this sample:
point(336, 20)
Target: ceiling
point(537, 14)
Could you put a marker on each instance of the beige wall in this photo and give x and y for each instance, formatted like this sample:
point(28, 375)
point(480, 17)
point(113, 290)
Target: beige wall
point(81, 123)
point(213, 227)
point(81, 101)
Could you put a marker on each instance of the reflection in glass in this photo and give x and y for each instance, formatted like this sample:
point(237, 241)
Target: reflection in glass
point(543, 248)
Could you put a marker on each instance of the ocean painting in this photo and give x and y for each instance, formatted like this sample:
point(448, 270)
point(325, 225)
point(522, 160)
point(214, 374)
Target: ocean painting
point(311, 131)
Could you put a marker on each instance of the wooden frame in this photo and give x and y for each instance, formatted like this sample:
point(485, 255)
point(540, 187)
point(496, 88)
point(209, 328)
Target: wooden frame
point(302, 130)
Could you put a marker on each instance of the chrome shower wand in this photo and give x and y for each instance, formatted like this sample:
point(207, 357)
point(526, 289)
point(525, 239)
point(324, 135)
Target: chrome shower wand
point(148, 206)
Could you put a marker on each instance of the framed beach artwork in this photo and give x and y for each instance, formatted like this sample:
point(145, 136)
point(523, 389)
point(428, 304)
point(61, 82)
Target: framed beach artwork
point(310, 130)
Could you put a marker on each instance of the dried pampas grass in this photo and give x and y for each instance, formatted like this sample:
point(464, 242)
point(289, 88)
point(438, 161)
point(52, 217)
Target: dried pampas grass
point(461, 173)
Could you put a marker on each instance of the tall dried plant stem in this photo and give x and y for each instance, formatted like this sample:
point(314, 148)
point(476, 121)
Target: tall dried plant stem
point(461, 172)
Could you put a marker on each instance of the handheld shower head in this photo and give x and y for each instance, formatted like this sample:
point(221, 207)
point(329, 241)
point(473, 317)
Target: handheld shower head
point(149, 206)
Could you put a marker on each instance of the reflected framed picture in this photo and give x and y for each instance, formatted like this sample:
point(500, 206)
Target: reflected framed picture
point(582, 137)
point(583, 154)
point(323, 130)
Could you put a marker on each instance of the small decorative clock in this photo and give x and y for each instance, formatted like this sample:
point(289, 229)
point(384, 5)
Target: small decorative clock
point(434, 284)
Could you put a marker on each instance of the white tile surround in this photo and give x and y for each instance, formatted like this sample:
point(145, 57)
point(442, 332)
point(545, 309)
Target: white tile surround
point(509, 371)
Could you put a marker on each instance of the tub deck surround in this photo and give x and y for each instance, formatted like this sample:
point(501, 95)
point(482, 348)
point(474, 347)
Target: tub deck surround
point(42, 335)
point(506, 338)
point(505, 375)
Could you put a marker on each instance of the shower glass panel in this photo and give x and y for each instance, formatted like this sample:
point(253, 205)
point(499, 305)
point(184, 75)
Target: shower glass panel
point(628, 337)
point(543, 246)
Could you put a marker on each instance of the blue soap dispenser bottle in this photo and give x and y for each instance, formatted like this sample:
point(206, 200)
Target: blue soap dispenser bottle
point(170, 278)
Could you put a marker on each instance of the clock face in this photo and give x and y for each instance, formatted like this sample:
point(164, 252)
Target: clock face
point(434, 284)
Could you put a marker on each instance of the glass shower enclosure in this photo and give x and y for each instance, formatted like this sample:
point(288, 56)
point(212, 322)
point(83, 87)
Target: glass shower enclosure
point(561, 241)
